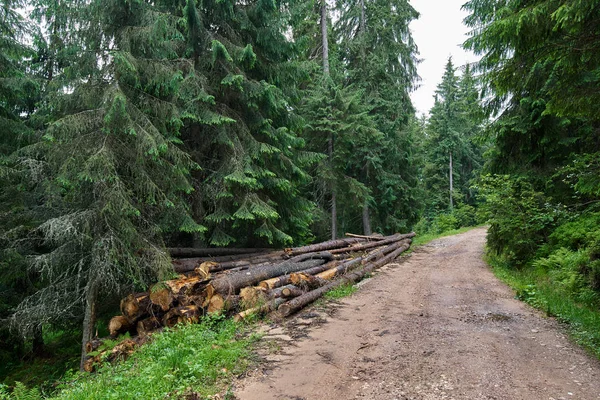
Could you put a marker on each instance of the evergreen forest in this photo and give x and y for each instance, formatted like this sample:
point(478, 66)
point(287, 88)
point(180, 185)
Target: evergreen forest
point(131, 126)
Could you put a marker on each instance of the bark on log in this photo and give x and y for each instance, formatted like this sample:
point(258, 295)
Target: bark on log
point(297, 303)
point(307, 281)
point(265, 308)
point(332, 244)
point(282, 280)
point(365, 246)
point(291, 291)
point(135, 306)
point(119, 324)
point(185, 265)
point(180, 252)
point(375, 236)
point(232, 283)
point(278, 292)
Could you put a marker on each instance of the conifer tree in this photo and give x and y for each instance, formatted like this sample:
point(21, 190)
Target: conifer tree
point(380, 54)
point(114, 174)
point(248, 191)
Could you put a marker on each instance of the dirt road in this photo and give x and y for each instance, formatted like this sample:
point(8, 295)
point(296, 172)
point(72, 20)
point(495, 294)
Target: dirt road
point(436, 325)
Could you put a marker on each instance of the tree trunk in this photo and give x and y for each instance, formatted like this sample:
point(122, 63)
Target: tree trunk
point(451, 184)
point(366, 220)
point(89, 319)
point(324, 37)
point(334, 234)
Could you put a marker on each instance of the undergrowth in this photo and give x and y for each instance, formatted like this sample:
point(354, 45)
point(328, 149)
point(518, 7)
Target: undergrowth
point(191, 361)
point(541, 290)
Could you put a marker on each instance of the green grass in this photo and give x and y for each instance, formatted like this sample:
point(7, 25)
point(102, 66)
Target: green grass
point(198, 359)
point(533, 287)
point(422, 239)
point(341, 291)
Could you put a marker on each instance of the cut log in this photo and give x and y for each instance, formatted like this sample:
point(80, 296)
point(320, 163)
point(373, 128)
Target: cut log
point(148, 325)
point(192, 300)
point(185, 286)
point(161, 296)
point(252, 296)
point(232, 283)
point(375, 236)
point(118, 325)
point(278, 292)
point(332, 244)
point(297, 303)
point(135, 306)
point(216, 304)
point(265, 308)
point(186, 314)
point(185, 265)
point(122, 350)
point(178, 252)
point(282, 280)
point(291, 291)
point(306, 281)
point(370, 245)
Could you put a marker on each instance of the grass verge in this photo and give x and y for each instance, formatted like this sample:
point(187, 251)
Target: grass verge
point(532, 286)
point(191, 361)
point(422, 239)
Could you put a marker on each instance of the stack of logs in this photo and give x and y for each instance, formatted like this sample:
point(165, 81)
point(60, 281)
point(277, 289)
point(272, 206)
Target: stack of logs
point(243, 282)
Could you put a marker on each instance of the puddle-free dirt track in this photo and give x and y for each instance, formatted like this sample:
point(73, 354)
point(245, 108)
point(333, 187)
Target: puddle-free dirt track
point(434, 325)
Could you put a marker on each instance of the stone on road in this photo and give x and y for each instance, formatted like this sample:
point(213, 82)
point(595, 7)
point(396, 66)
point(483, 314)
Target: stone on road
point(435, 325)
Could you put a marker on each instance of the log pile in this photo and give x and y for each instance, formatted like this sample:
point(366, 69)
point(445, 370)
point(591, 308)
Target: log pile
point(243, 282)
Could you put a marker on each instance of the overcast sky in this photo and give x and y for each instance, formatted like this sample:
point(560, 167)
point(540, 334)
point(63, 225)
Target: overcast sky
point(439, 33)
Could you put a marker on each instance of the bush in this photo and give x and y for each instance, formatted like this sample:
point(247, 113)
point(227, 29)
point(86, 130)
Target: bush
point(520, 218)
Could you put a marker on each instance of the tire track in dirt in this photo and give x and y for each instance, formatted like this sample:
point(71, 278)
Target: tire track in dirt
point(434, 325)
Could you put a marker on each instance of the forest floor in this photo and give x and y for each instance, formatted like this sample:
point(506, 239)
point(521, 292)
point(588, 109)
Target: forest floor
point(437, 324)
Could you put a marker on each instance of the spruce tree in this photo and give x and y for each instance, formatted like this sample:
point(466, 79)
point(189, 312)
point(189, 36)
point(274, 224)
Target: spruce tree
point(380, 55)
point(115, 177)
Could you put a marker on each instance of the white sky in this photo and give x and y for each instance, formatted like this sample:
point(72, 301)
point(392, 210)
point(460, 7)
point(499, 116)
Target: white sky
point(439, 33)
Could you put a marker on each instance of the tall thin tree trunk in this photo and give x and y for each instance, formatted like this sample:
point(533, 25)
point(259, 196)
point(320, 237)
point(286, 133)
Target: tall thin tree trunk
point(451, 183)
point(333, 195)
point(363, 31)
point(325, 42)
point(325, 39)
point(366, 220)
point(366, 215)
point(89, 319)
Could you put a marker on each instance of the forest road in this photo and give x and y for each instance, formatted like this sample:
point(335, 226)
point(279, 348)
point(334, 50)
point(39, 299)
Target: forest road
point(435, 325)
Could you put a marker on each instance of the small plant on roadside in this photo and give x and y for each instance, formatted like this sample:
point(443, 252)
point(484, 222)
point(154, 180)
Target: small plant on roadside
point(341, 291)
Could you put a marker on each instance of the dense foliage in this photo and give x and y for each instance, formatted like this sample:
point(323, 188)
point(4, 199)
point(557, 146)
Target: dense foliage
point(130, 126)
point(540, 70)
